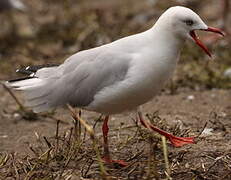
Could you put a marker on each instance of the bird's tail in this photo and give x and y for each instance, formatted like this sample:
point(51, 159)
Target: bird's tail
point(36, 90)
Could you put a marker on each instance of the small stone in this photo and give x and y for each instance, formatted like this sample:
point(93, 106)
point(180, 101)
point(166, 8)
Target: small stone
point(17, 116)
point(190, 97)
point(227, 73)
point(3, 136)
point(207, 131)
point(223, 114)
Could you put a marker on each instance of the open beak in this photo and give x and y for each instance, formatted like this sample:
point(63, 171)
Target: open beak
point(199, 43)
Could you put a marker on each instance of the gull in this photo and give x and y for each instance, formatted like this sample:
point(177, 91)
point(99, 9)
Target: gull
point(119, 76)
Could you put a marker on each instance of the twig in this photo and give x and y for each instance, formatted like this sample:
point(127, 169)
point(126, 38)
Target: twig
point(88, 168)
point(32, 149)
point(57, 137)
point(4, 160)
point(69, 139)
point(165, 151)
point(214, 163)
point(14, 97)
point(202, 130)
point(79, 126)
point(152, 160)
point(46, 155)
point(47, 142)
point(97, 120)
point(131, 171)
point(26, 114)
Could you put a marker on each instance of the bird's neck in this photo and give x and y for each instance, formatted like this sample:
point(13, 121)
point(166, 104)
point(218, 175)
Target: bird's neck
point(168, 36)
point(166, 42)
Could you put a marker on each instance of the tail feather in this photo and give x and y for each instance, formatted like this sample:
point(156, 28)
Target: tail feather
point(38, 86)
point(26, 84)
point(35, 91)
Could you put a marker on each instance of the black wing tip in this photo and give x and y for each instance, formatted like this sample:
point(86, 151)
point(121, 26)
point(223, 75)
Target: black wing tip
point(33, 69)
point(24, 71)
point(30, 71)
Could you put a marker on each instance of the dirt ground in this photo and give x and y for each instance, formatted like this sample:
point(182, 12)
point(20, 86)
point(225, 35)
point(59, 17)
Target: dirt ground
point(197, 102)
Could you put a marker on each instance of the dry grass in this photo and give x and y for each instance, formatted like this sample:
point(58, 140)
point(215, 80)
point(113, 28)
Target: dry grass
point(76, 154)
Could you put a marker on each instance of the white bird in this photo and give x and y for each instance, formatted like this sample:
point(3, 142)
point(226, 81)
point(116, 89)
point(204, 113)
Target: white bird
point(118, 76)
point(11, 4)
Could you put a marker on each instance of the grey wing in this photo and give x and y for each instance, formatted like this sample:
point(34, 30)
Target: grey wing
point(106, 70)
point(82, 84)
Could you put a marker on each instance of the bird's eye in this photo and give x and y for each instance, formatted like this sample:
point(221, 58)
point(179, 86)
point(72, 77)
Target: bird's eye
point(189, 22)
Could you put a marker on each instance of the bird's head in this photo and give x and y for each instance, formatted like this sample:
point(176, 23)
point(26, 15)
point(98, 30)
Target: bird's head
point(183, 22)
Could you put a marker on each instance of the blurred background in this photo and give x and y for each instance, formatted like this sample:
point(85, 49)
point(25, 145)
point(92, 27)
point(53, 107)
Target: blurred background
point(48, 31)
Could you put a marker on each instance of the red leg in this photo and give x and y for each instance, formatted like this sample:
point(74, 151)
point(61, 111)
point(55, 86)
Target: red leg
point(107, 157)
point(176, 141)
point(105, 130)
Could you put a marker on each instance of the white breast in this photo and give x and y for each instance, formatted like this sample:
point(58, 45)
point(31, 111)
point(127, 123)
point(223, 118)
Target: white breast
point(143, 81)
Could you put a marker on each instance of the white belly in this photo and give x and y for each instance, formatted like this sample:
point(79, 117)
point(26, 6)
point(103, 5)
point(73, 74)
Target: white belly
point(141, 85)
